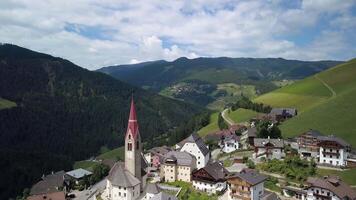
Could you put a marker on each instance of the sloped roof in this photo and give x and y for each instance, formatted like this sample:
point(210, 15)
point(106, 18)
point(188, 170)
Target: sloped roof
point(216, 170)
point(282, 111)
point(51, 196)
point(261, 142)
point(79, 173)
point(314, 133)
point(250, 176)
point(335, 185)
point(119, 176)
point(160, 150)
point(164, 196)
point(152, 188)
point(335, 139)
point(49, 184)
point(182, 158)
point(252, 132)
point(194, 138)
point(132, 126)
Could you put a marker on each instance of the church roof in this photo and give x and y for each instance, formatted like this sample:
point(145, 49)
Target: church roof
point(132, 125)
point(152, 188)
point(119, 176)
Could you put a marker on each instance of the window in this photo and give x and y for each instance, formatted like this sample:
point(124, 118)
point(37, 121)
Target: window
point(130, 136)
point(137, 145)
point(129, 146)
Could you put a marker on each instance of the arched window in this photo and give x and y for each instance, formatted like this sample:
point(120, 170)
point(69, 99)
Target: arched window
point(129, 146)
point(130, 136)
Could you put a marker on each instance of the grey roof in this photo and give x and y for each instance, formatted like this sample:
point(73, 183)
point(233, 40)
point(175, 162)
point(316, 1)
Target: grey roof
point(314, 133)
point(216, 170)
point(261, 142)
point(230, 138)
point(164, 196)
point(119, 176)
point(334, 184)
point(335, 139)
point(160, 150)
point(267, 195)
point(252, 132)
point(283, 111)
point(250, 176)
point(152, 188)
point(182, 158)
point(48, 184)
point(194, 138)
point(79, 173)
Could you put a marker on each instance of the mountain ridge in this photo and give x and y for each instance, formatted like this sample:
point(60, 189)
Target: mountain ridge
point(62, 113)
point(203, 80)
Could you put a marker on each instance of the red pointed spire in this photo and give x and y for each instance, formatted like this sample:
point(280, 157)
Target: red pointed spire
point(132, 125)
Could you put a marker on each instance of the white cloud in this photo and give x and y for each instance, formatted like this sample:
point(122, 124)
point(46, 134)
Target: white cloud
point(137, 31)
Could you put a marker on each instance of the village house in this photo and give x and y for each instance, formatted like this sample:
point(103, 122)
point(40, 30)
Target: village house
point(282, 114)
point(247, 137)
point(154, 192)
point(268, 148)
point(52, 186)
point(75, 176)
point(195, 146)
point(155, 156)
point(331, 188)
point(229, 143)
point(333, 151)
point(177, 166)
point(326, 150)
point(60, 195)
point(308, 144)
point(247, 184)
point(211, 178)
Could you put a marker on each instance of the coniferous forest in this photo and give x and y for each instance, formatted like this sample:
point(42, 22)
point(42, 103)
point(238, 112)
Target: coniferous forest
point(65, 113)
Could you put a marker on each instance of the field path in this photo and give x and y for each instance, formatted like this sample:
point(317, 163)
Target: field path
point(226, 118)
point(326, 85)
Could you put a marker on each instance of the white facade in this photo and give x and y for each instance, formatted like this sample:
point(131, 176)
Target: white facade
point(332, 156)
point(210, 188)
point(272, 153)
point(122, 193)
point(194, 150)
point(229, 146)
point(315, 193)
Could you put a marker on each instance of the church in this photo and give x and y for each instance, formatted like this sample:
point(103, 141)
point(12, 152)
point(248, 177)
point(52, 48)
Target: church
point(127, 180)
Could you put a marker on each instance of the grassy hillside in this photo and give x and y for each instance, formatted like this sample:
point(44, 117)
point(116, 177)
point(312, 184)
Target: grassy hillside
point(115, 154)
point(211, 127)
point(242, 115)
point(209, 81)
point(326, 101)
point(6, 104)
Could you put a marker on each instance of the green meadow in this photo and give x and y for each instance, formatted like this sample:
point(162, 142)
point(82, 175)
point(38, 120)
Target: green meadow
point(4, 103)
point(325, 101)
point(242, 115)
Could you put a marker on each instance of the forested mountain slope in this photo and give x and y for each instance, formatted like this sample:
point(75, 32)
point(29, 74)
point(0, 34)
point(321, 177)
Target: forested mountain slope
point(53, 112)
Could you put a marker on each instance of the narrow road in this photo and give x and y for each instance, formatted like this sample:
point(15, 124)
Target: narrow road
point(326, 85)
point(226, 117)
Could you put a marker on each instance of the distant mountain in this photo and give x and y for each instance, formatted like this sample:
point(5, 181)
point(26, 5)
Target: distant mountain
point(208, 81)
point(325, 101)
point(53, 112)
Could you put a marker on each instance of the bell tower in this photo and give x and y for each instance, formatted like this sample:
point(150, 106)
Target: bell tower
point(133, 145)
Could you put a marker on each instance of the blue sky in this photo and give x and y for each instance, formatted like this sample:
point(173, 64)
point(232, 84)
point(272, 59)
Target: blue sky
point(99, 33)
